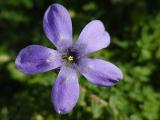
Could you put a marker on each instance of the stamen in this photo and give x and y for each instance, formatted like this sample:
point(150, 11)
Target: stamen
point(70, 58)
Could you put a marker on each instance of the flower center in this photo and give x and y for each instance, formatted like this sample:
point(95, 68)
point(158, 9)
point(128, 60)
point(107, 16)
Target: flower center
point(70, 58)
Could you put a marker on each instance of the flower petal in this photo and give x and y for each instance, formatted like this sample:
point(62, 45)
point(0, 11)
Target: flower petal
point(58, 26)
point(36, 59)
point(92, 38)
point(100, 72)
point(65, 91)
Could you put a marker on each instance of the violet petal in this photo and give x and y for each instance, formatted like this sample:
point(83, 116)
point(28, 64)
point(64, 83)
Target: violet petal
point(65, 91)
point(58, 26)
point(36, 59)
point(92, 38)
point(100, 72)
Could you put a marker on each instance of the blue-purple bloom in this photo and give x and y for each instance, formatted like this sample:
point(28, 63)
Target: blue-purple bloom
point(69, 57)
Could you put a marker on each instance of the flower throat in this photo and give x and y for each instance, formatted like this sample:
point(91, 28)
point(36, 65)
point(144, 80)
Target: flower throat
point(70, 57)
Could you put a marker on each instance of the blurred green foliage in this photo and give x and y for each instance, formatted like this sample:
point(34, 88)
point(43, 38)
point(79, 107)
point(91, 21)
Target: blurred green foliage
point(134, 26)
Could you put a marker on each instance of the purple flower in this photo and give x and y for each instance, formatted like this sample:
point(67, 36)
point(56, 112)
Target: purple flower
point(69, 57)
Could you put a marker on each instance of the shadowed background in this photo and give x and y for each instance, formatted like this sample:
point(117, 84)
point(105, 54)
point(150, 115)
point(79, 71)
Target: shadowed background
point(134, 26)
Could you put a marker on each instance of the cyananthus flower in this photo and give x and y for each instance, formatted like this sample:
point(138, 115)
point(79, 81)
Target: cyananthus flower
point(69, 57)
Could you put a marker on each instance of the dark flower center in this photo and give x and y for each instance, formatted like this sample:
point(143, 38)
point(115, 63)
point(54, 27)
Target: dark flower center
point(70, 57)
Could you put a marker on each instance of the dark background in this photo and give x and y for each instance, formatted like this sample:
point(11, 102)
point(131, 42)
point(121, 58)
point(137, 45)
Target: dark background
point(134, 26)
